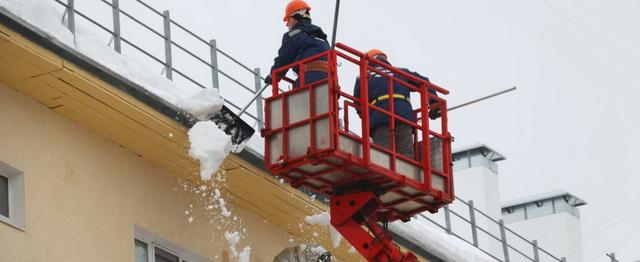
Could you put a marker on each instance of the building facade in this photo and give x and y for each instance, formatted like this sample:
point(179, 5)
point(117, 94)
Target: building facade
point(91, 169)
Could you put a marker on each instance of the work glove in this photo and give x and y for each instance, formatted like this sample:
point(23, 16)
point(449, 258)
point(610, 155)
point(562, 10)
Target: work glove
point(434, 113)
point(268, 79)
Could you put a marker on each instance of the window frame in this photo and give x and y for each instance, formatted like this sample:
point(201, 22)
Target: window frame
point(15, 186)
point(154, 241)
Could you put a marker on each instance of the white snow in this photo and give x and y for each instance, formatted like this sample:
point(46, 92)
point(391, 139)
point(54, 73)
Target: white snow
point(43, 15)
point(318, 249)
point(245, 254)
point(232, 239)
point(439, 243)
point(221, 203)
point(47, 16)
point(202, 104)
point(210, 146)
point(324, 219)
point(336, 237)
point(318, 219)
point(223, 209)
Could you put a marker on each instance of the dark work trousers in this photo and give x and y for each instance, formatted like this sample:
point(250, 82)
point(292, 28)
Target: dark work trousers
point(404, 137)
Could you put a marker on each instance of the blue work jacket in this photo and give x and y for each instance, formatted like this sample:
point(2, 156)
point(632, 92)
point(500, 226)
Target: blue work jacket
point(302, 41)
point(378, 87)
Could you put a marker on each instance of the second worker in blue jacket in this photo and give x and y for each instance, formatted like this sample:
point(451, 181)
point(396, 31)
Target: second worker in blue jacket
point(301, 41)
point(379, 96)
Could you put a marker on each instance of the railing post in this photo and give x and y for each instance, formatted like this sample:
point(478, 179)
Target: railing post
point(503, 237)
point(564, 259)
point(472, 219)
point(214, 64)
point(116, 25)
point(536, 256)
point(71, 19)
point(167, 45)
point(447, 218)
point(613, 257)
point(258, 82)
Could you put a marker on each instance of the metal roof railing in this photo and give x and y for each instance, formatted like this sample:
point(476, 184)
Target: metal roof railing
point(210, 61)
point(510, 249)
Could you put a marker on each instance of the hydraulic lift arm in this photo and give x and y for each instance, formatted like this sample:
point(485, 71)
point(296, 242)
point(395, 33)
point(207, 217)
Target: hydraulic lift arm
point(350, 212)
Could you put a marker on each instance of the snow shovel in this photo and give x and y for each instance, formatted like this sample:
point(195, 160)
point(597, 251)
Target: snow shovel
point(233, 125)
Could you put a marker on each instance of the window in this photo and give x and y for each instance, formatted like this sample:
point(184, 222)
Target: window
point(165, 256)
point(141, 251)
point(150, 247)
point(4, 196)
point(11, 196)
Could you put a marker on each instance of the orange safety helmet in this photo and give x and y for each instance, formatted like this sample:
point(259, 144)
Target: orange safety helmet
point(375, 52)
point(294, 6)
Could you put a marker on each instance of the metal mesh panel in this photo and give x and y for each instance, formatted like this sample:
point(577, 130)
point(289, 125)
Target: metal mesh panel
point(323, 135)
point(275, 145)
point(299, 141)
point(298, 106)
point(275, 115)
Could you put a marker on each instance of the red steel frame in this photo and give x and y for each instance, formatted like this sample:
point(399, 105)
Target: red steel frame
point(365, 205)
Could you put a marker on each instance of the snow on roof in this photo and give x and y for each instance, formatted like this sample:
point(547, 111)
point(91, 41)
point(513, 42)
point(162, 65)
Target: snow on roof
point(208, 144)
point(437, 242)
point(487, 151)
point(571, 199)
point(44, 17)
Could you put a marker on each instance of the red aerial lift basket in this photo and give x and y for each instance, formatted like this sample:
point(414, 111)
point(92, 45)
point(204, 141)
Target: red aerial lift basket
point(308, 141)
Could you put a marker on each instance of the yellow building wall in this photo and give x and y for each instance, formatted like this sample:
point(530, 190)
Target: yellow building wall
point(84, 194)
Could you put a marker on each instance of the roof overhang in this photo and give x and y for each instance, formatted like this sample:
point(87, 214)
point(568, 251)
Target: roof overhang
point(478, 148)
point(568, 197)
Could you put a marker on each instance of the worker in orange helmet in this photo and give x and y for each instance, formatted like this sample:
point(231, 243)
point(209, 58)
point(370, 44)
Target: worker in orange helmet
point(301, 41)
point(378, 89)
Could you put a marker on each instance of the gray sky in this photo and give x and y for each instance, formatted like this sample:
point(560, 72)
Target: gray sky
point(572, 123)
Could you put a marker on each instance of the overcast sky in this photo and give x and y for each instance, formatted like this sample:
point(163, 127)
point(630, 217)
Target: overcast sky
point(572, 124)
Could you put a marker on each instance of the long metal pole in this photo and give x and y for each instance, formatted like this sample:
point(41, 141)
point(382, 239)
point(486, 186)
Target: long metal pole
point(71, 14)
point(214, 64)
point(167, 45)
point(503, 238)
point(335, 25)
point(481, 99)
point(116, 25)
point(259, 108)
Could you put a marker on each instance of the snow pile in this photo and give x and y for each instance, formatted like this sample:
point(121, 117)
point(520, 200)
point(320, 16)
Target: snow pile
point(439, 243)
point(202, 104)
point(210, 146)
point(324, 219)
